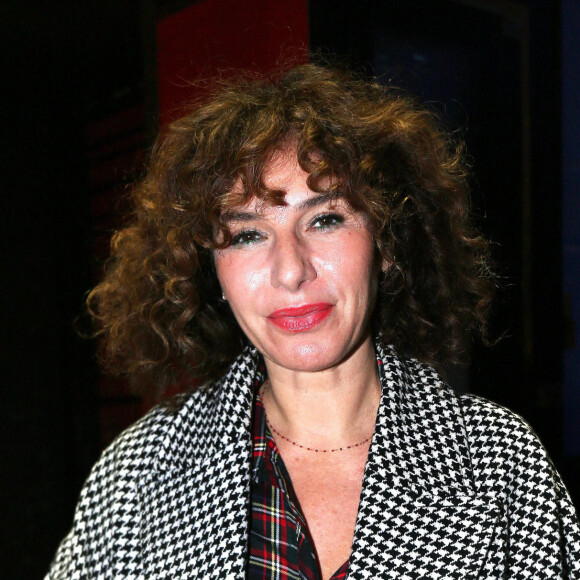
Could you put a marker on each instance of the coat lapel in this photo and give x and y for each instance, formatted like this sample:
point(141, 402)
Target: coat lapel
point(197, 501)
point(419, 515)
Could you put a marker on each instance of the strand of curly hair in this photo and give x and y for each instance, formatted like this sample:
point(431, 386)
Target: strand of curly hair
point(158, 309)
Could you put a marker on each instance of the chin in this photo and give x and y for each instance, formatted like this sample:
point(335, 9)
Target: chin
point(308, 357)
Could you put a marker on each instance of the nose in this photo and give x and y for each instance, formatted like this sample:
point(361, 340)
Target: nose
point(291, 263)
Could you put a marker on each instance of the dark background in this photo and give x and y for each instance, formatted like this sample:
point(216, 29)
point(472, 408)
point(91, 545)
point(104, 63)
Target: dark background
point(79, 105)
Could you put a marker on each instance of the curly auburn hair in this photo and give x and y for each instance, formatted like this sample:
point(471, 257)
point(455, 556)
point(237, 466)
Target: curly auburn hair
point(159, 309)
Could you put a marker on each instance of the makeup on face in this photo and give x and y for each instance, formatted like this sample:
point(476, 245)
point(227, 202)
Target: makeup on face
point(301, 318)
point(300, 277)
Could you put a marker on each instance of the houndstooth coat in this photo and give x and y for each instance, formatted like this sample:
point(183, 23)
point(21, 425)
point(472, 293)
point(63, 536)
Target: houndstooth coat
point(455, 487)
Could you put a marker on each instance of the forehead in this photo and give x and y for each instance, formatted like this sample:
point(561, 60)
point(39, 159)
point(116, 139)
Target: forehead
point(282, 174)
point(284, 169)
point(256, 208)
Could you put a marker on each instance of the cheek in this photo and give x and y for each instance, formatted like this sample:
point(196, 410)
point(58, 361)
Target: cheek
point(255, 280)
point(218, 261)
point(224, 270)
point(353, 263)
point(239, 278)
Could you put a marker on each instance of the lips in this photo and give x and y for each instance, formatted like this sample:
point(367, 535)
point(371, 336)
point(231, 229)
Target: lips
point(301, 318)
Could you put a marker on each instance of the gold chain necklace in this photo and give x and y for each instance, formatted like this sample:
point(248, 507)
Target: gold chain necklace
point(272, 428)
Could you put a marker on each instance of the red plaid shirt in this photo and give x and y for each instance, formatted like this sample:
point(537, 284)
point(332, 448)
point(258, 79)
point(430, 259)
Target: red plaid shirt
point(280, 544)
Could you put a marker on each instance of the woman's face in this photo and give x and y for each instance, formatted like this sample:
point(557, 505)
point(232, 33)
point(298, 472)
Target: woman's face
point(301, 278)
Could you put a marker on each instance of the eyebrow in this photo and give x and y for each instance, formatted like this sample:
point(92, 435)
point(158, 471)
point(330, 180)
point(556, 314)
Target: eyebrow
point(247, 216)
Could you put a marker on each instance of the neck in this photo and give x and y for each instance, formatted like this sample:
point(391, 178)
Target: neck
point(328, 408)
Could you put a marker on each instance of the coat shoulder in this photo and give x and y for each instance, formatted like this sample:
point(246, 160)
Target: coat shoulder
point(167, 433)
point(506, 454)
point(510, 463)
point(495, 425)
point(495, 431)
point(106, 528)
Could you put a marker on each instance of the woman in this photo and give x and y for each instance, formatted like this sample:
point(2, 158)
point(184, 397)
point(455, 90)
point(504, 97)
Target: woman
point(304, 245)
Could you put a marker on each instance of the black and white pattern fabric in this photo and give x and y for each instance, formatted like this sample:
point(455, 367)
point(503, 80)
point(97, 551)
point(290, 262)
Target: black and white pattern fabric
point(455, 487)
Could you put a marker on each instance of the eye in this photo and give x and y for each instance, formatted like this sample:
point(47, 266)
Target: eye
point(246, 238)
point(326, 221)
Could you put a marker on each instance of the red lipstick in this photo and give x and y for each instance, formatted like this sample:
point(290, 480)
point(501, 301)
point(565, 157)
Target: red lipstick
point(301, 318)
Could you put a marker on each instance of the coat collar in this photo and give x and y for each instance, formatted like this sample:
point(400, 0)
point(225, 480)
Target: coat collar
point(211, 418)
point(419, 515)
point(419, 440)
